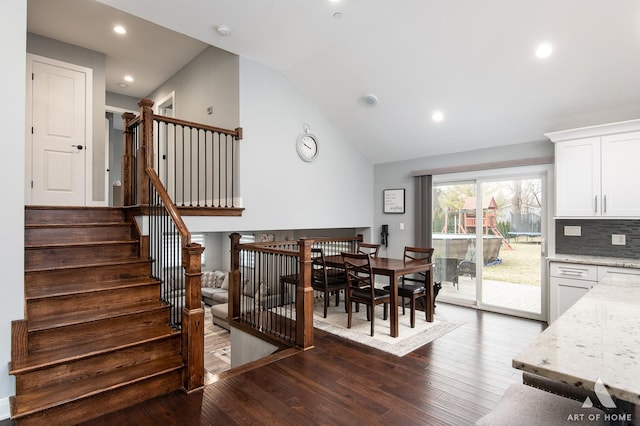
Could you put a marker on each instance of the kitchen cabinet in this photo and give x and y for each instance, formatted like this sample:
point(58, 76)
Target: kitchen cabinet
point(568, 282)
point(597, 172)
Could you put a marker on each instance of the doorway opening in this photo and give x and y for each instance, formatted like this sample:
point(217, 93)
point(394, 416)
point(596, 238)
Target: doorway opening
point(488, 235)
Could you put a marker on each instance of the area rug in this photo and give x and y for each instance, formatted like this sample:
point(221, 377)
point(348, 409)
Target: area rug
point(408, 340)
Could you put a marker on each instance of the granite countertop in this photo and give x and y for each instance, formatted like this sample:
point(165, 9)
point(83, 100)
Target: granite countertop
point(596, 260)
point(597, 338)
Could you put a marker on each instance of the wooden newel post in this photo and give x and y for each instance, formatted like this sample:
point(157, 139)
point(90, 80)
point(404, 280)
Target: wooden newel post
point(193, 318)
point(234, 277)
point(145, 151)
point(304, 298)
point(127, 161)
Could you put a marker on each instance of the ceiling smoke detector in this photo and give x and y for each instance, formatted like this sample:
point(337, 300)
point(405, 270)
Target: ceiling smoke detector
point(368, 100)
point(223, 30)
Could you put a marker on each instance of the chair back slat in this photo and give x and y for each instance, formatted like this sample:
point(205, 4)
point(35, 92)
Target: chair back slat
point(368, 248)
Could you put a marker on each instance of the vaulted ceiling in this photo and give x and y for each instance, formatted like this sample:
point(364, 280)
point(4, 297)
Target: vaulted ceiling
point(472, 60)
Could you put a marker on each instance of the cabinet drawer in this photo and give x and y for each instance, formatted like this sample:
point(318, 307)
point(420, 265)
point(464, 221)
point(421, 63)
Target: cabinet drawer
point(573, 271)
point(603, 271)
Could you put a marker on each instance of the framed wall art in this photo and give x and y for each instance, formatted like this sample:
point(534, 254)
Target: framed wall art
point(393, 200)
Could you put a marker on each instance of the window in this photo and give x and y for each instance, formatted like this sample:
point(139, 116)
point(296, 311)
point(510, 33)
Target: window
point(172, 249)
point(247, 258)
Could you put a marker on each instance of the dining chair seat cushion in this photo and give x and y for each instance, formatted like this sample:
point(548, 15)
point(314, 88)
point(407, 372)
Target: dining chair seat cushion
point(364, 293)
point(408, 290)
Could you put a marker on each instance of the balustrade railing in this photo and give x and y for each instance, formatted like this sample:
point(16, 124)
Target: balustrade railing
point(270, 290)
point(176, 260)
point(196, 163)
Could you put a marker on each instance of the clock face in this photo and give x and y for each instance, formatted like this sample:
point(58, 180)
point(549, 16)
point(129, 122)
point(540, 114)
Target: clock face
point(307, 147)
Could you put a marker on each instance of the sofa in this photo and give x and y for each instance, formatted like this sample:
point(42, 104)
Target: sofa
point(215, 293)
point(214, 287)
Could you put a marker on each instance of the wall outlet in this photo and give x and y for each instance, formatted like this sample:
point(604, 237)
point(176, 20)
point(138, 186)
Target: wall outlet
point(573, 231)
point(402, 226)
point(618, 239)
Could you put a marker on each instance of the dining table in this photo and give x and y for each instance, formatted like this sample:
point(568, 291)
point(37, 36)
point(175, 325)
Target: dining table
point(394, 269)
point(594, 346)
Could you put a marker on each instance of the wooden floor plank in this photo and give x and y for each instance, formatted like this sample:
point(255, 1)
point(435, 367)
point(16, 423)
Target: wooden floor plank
point(453, 380)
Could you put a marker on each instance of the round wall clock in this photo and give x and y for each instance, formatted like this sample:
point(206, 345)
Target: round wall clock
point(307, 146)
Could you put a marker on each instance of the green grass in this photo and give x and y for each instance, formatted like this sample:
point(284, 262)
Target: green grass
point(522, 265)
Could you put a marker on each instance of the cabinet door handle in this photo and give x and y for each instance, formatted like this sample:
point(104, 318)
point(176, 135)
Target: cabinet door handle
point(572, 272)
point(604, 203)
point(595, 210)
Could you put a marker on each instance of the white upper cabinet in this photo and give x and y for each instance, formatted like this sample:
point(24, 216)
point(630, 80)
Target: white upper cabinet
point(621, 175)
point(598, 171)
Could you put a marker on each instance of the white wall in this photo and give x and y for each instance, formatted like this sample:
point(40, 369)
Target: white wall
point(279, 190)
point(398, 175)
point(13, 24)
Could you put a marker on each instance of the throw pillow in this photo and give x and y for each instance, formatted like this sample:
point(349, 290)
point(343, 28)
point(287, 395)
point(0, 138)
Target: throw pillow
point(248, 289)
point(264, 289)
point(219, 277)
point(225, 283)
point(208, 279)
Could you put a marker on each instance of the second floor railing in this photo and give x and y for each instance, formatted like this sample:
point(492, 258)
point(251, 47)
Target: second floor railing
point(197, 164)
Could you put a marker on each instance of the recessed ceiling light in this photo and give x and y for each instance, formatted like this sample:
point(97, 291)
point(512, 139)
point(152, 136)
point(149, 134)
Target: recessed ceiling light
point(334, 1)
point(437, 116)
point(128, 78)
point(368, 100)
point(544, 50)
point(119, 29)
point(223, 30)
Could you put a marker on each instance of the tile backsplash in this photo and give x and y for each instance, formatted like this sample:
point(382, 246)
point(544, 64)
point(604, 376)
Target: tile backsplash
point(596, 238)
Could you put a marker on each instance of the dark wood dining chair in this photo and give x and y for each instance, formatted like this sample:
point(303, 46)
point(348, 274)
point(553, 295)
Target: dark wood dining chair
point(361, 288)
point(327, 281)
point(368, 248)
point(414, 286)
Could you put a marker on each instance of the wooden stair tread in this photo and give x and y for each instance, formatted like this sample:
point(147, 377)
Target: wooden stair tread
point(122, 262)
point(74, 225)
point(68, 289)
point(80, 244)
point(53, 357)
point(83, 317)
point(59, 394)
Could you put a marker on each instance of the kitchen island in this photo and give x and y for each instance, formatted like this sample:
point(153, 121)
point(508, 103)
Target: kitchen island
point(595, 340)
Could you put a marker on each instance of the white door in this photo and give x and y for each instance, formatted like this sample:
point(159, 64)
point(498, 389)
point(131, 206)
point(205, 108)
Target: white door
point(59, 143)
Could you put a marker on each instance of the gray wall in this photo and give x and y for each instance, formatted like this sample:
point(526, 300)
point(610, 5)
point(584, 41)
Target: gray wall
point(13, 28)
point(209, 80)
point(398, 175)
point(54, 49)
point(123, 102)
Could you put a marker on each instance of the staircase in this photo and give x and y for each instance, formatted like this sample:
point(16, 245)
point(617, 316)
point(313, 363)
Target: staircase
point(95, 337)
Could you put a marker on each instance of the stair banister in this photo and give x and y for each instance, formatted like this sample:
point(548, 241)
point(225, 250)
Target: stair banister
point(193, 313)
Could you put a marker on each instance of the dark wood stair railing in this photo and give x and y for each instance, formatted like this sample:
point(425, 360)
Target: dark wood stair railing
point(196, 163)
point(158, 205)
point(270, 292)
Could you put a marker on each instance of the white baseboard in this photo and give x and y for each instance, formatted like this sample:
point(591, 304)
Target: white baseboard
point(5, 409)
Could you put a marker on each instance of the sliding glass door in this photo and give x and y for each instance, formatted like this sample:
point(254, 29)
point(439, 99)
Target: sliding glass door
point(489, 242)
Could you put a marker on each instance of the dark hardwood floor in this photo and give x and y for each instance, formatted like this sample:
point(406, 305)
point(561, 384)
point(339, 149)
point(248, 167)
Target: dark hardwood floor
point(454, 380)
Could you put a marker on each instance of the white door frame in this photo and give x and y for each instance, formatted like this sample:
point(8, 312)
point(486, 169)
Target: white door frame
point(107, 146)
point(88, 188)
point(545, 173)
